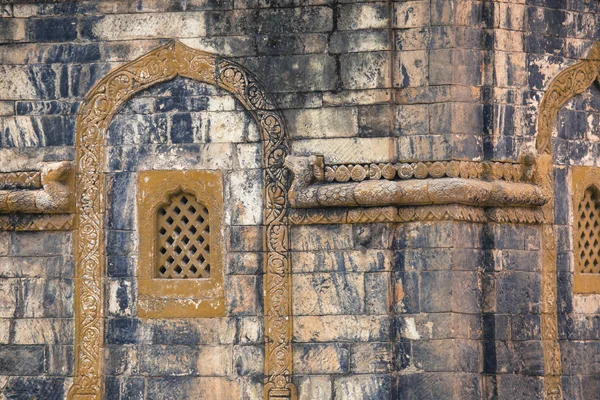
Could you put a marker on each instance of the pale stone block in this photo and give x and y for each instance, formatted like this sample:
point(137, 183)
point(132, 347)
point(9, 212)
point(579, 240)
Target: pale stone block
point(510, 69)
point(20, 132)
point(227, 126)
point(4, 246)
point(117, 291)
point(16, 83)
point(249, 360)
point(314, 387)
point(134, 26)
point(248, 155)
point(357, 97)
point(350, 150)
point(371, 358)
point(328, 293)
point(586, 304)
point(4, 330)
point(7, 108)
point(8, 297)
point(43, 331)
point(411, 14)
point(244, 197)
point(324, 122)
point(508, 40)
point(511, 15)
point(363, 16)
point(214, 361)
point(359, 387)
point(250, 330)
point(322, 237)
point(205, 156)
point(320, 358)
point(366, 70)
point(331, 328)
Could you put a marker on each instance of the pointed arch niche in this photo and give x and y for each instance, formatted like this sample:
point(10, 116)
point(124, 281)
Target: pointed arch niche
point(96, 112)
point(567, 84)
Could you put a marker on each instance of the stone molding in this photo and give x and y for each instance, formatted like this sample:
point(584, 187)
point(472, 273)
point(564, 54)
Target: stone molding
point(99, 106)
point(52, 190)
point(307, 192)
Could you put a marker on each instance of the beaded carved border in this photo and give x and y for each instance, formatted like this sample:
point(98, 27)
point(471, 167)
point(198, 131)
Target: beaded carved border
point(99, 106)
point(569, 83)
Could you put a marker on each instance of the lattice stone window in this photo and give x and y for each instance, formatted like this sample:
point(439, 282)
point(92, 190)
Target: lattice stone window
point(180, 270)
point(183, 238)
point(586, 229)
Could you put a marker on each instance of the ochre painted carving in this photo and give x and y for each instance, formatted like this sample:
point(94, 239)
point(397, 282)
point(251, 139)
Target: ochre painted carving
point(175, 209)
point(586, 229)
point(37, 222)
point(96, 112)
point(413, 192)
point(512, 172)
point(55, 196)
point(569, 83)
point(20, 180)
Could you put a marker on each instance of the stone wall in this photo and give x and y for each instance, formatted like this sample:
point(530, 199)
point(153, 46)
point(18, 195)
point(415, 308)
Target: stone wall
point(418, 310)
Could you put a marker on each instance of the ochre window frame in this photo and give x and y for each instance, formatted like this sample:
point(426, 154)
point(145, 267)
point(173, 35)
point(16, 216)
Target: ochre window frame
point(583, 178)
point(179, 298)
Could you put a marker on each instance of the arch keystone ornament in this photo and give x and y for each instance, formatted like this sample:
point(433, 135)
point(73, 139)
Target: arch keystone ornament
point(96, 112)
point(566, 85)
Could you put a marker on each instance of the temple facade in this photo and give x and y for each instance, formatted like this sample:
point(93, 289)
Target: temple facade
point(300, 199)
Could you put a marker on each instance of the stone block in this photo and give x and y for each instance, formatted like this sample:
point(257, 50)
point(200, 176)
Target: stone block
point(121, 295)
point(371, 358)
point(518, 292)
point(230, 126)
point(321, 237)
point(341, 261)
point(60, 360)
point(362, 386)
point(322, 123)
point(426, 259)
point(332, 328)
point(358, 41)
point(245, 238)
point(411, 14)
point(425, 385)
point(520, 387)
point(245, 295)
point(249, 330)
point(11, 30)
point(121, 330)
point(60, 29)
point(244, 263)
point(120, 243)
point(435, 355)
point(248, 360)
point(314, 387)
point(310, 72)
point(294, 20)
point(244, 198)
point(411, 69)
point(329, 293)
point(466, 292)
point(355, 97)
point(374, 121)
point(286, 44)
point(423, 235)
point(35, 387)
point(22, 360)
point(138, 26)
point(349, 150)
point(40, 243)
point(377, 293)
point(366, 70)
point(411, 119)
point(248, 155)
point(43, 331)
point(321, 358)
point(9, 293)
point(363, 16)
point(202, 331)
point(200, 388)
point(435, 292)
point(405, 286)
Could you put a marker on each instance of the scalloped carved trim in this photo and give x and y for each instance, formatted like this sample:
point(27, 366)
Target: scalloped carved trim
point(100, 104)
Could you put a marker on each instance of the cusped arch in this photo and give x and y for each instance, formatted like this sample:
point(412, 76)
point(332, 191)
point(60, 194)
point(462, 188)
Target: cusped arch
point(96, 112)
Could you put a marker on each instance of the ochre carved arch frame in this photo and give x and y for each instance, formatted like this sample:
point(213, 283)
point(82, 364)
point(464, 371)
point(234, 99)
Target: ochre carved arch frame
point(567, 84)
point(96, 112)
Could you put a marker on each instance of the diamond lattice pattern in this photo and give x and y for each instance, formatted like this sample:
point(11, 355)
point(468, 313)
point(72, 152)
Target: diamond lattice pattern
point(183, 239)
point(588, 227)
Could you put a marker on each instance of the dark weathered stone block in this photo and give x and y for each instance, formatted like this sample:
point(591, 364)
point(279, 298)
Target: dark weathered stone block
point(18, 360)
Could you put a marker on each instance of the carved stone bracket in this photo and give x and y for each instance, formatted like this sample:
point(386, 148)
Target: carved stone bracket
point(514, 200)
point(38, 200)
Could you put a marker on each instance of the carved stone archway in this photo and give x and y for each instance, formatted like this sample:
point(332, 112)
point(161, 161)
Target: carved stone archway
point(97, 110)
point(566, 85)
